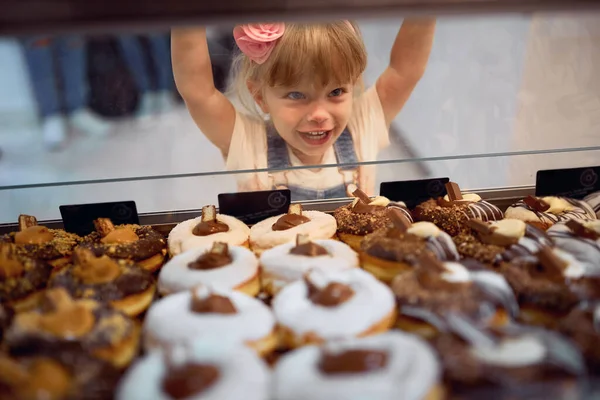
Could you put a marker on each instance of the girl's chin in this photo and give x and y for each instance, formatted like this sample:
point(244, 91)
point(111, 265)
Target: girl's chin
point(314, 140)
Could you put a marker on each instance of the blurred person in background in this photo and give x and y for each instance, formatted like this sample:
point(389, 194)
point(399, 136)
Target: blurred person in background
point(58, 72)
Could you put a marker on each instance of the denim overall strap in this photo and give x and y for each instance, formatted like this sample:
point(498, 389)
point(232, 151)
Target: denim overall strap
point(345, 153)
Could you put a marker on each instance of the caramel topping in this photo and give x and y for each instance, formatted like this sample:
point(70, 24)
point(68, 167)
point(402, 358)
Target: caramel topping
point(212, 304)
point(480, 227)
point(10, 265)
point(332, 295)
point(362, 196)
point(304, 247)
point(104, 226)
point(61, 317)
point(206, 228)
point(218, 256)
point(34, 235)
point(401, 223)
point(353, 361)
point(581, 230)
point(289, 221)
point(189, 380)
point(536, 204)
point(120, 236)
point(363, 208)
point(95, 270)
point(43, 379)
point(550, 266)
point(454, 193)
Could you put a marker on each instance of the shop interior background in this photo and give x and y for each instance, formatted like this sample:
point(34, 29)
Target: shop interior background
point(493, 84)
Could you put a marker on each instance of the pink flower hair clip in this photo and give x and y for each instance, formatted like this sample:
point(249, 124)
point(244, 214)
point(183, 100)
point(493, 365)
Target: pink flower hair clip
point(257, 41)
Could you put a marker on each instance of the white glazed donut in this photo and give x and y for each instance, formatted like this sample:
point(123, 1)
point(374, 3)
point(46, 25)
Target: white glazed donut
point(371, 309)
point(176, 276)
point(172, 321)
point(182, 239)
point(241, 373)
point(280, 267)
point(585, 250)
point(594, 201)
point(412, 371)
point(263, 237)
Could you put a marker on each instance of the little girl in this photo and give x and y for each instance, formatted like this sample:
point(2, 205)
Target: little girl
point(300, 87)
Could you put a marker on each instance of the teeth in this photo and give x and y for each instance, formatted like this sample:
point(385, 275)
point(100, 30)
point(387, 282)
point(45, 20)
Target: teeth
point(321, 133)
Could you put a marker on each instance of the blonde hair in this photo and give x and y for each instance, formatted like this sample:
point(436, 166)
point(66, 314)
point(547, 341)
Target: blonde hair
point(328, 53)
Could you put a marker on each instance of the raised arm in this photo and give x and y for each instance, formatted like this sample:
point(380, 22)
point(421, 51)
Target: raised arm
point(407, 64)
point(211, 110)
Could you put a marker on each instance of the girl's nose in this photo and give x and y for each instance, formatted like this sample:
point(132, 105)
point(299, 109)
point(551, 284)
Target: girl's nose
point(318, 115)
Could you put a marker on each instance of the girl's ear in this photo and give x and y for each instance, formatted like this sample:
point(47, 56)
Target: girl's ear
point(257, 94)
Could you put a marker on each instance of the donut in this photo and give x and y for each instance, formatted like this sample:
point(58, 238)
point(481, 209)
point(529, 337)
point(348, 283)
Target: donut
point(210, 313)
point(222, 266)
point(395, 248)
point(540, 285)
point(452, 212)
point(284, 228)
point(493, 242)
point(581, 327)
point(207, 229)
point(54, 246)
point(512, 363)
point(432, 289)
point(543, 212)
point(56, 378)
point(328, 305)
point(71, 327)
point(22, 278)
point(594, 201)
point(392, 365)
point(118, 283)
point(140, 244)
point(364, 216)
point(289, 262)
point(581, 239)
point(202, 370)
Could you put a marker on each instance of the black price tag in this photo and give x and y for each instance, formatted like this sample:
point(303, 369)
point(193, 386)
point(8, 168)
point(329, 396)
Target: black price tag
point(79, 218)
point(414, 192)
point(252, 207)
point(575, 183)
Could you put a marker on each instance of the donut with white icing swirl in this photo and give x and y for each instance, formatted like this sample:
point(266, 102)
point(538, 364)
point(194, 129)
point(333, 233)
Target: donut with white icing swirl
point(279, 266)
point(235, 372)
point(594, 201)
point(401, 367)
point(585, 249)
point(172, 320)
point(560, 209)
point(369, 310)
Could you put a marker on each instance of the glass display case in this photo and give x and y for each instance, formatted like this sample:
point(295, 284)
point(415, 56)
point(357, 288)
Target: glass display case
point(97, 106)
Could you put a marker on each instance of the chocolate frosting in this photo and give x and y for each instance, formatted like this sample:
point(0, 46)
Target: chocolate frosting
point(60, 246)
point(360, 224)
point(211, 260)
point(149, 244)
point(389, 244)
point(212, 304)
point(206, 228)
point(190, 379)
point(289, 221)
point(309, 249)
point(332, 295)
point(20, 275)
point(353, 361)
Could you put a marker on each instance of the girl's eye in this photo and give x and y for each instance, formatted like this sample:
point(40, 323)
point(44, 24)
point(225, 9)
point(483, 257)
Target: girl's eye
point(337, 92)
point(295, 96)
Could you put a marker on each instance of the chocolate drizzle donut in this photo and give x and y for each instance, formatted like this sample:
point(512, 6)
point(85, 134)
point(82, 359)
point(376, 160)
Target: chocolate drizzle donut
point(594, 201)
point(581, 239)
point(546, 211)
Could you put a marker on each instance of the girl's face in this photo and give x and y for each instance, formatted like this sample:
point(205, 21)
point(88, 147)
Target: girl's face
point(308, 118)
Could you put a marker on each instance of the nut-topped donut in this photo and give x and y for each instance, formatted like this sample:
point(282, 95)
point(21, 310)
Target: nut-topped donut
point(581, 239)
point(451, 212)
point(63, 325)
point(222, 266)
point(392, 365)
point(395, 248)
point(594, 201)
point(202, 370)
point(328, 305)
point(494, 242)
point(364, 216)
point(207, 229)
point(22, 278)
point(210, 313)
point(289, 262)
point(284, 228)
point(140, 244)
point(54, 246)
point(56, 378)
point(119, 283)
point(543, 212)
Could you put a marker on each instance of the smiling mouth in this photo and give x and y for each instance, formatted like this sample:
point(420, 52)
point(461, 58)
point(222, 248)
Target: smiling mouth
point(316, 137)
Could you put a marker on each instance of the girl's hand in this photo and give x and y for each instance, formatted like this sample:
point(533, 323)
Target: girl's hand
point(408, 60)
